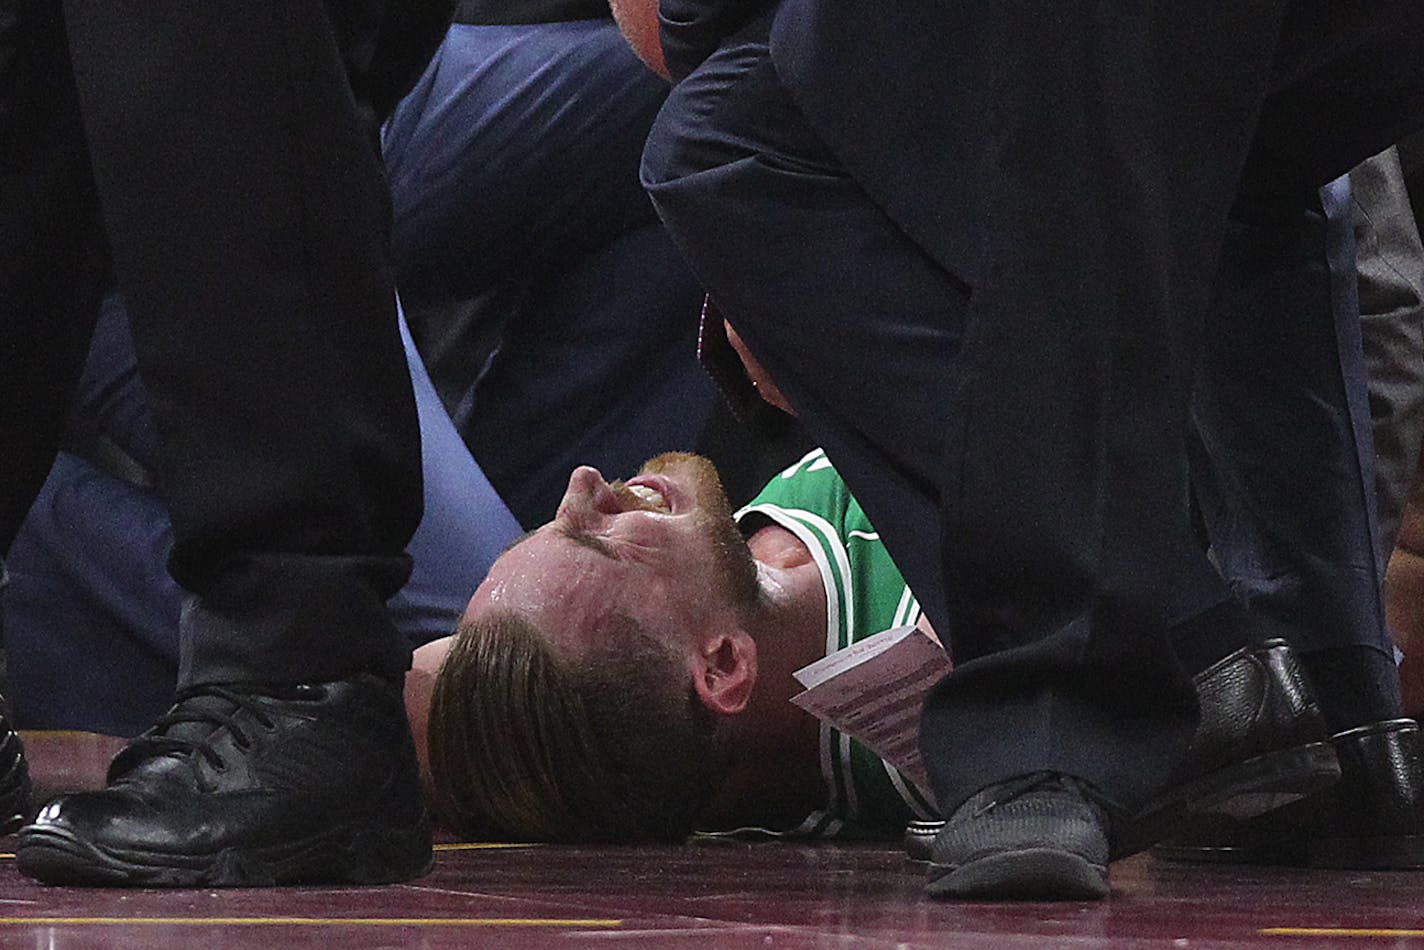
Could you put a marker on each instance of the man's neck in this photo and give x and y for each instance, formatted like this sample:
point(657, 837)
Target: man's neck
point(774, 774)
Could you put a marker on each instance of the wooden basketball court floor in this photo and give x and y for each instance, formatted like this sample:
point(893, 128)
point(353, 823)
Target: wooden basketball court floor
point(708, 896)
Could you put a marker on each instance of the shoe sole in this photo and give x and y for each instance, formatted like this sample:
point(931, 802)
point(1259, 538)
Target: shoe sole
point(1241, 790)
point(1031, 874)
point(345, 856)
point(1392, 853)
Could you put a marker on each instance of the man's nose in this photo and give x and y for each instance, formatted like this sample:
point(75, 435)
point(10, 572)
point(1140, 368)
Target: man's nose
point(588, 495)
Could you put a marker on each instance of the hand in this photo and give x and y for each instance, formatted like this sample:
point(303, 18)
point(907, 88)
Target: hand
point(638, 19)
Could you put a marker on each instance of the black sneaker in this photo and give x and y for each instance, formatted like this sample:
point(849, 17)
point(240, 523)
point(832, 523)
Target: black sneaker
point(14, 778)
point(1042, 836)
point(245, 786)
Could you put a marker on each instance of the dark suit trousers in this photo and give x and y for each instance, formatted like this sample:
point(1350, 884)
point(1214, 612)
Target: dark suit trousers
point(1281, 444)
point(220, 161)
point(1016, 427)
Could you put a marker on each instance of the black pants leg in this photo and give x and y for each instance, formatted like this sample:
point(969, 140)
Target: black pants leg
point(232, 147)
point(1018, 433)
point(52, 252)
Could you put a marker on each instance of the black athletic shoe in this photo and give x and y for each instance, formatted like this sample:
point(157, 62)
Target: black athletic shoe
point(1037, 837)
point(14, 778)
point(1372, 820)
point(248, 786)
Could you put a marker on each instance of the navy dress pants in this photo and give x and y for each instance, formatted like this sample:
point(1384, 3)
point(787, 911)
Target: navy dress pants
point(1017, 427)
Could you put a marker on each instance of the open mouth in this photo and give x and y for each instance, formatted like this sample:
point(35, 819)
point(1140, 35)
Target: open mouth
point(645, 493)
point(650, 497)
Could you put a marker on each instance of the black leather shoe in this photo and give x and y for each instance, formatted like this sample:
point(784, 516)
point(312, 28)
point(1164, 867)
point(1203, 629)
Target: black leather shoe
point(248, 786)
point(1038, 837)
point(14, 778)
point(1260, 744)
point(1373, 819)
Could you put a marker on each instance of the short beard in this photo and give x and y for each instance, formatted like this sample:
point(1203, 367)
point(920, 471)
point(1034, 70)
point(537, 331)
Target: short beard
point(735, 565)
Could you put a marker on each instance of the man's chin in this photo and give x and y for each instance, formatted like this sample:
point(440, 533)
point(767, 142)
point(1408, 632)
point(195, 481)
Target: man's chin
point(698, 475)
point(669, 463)
point(693, 473)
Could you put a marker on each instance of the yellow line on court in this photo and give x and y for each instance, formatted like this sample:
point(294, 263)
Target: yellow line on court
point(1338, 932)
point(5, 854)
point(318, 921)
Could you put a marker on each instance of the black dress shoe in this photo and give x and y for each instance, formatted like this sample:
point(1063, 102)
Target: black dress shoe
point(1373, 819)
point(1260, 744)
point(1037, 837)
point(248, 786)
point(14, 778)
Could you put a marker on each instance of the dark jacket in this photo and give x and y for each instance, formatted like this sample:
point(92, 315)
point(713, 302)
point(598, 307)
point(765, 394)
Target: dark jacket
point(877, 81)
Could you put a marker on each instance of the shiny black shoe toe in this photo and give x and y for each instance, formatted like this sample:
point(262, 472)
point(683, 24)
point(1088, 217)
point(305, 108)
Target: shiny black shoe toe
point(1372, 820)
point(14, 778)
point(1260, 744)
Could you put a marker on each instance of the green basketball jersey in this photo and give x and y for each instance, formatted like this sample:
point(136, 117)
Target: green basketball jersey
point(865, 594)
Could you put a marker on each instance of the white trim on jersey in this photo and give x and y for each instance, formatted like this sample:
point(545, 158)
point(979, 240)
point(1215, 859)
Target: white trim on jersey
point(806, 525)
point(809, 459)
point(910, 794)
point(907, 612)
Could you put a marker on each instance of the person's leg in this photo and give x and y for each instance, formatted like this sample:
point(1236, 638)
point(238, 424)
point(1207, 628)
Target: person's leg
point(465, 525)
point(91, 617)
point(88, 593)
point(245, 209)
point(1056, 467)
point(1302, 549)
point(266, 338)
point(53, 258)
point(514, 169)
point(1283, 466)
point(1391, 290)
point(516, 153)
point(53, 265)
point(863, 331)
point(596, 366)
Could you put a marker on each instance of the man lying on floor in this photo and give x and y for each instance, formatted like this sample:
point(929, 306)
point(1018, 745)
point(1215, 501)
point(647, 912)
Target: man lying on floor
point(624, 672)
point(625, 675)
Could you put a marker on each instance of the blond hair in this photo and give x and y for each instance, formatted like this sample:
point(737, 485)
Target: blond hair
point(527, 745)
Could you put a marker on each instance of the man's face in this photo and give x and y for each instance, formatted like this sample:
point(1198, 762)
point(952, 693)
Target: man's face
point(661, 549)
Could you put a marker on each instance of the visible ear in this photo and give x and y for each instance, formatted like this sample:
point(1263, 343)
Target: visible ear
point(725, 672)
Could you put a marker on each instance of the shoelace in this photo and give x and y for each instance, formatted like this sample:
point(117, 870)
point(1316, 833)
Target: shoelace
point(1032, 782)
point(188, 707)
